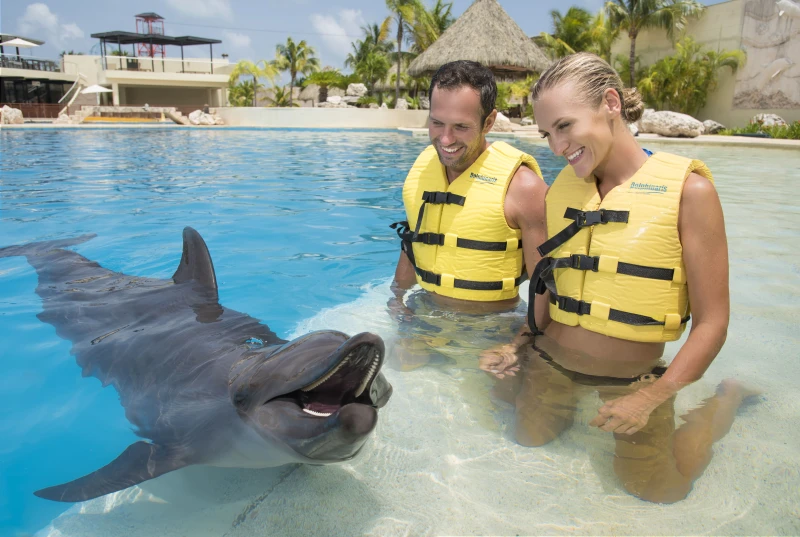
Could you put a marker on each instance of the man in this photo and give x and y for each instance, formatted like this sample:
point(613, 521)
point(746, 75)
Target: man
point(475, 214)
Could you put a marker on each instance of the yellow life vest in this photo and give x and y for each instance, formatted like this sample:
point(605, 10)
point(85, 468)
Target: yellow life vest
point(617, 264)
point(461, 245)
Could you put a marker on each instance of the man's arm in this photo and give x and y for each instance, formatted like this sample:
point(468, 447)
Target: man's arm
point(404, 279)
point(524, 210)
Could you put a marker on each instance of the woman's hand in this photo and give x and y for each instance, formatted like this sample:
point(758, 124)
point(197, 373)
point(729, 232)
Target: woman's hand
point(628, 414)
point(501, 360)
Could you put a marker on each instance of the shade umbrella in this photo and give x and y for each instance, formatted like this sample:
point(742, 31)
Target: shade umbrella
point(18, 42)
point(94, 88)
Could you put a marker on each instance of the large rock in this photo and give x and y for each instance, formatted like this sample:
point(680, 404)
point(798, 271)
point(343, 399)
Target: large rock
point(198, 117)
point(12, 116)
point(384, 107)
point(356, 90)
point(768, 120)
point(334, 99)
point(712, 127)
point(501, 124)
point(633, 128)
point(672, 124)
point(373, 106)
point(350, 99)
point(526, 122)
point(401, 104)
point(424, 102)
point(63, 119)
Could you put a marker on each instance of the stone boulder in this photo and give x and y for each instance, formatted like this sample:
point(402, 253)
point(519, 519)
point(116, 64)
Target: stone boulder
point(356, 90)
point(768, 120)
point(198, 117)
point(334, 99)
point(501, 124)
point(373, 106)
point(712, 127)
point(633, 128)
point(401, 104)
point(672, 124)
point(350, 99)
point(63, 119)
point(384, 107)
point(424, 102)
point(526, 122)
point(12, 116)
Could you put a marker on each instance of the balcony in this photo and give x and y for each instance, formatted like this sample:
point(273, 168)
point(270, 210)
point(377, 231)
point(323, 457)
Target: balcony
point(13, 61)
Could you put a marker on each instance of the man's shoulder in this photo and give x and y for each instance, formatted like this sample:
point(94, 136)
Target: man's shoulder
point(526, 182)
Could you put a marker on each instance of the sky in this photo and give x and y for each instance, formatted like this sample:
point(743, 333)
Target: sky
point(248, 29)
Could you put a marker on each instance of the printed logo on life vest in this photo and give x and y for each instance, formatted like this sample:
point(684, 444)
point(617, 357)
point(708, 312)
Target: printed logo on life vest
point(648, 188)
point(483, 178)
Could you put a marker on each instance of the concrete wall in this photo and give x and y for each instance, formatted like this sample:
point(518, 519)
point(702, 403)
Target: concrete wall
point(720, 28)
point(167, 96)
point(320, 118)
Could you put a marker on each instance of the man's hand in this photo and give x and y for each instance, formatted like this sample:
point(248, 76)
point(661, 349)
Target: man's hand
point(399, 311)
point(501, 360)
point(627, 414)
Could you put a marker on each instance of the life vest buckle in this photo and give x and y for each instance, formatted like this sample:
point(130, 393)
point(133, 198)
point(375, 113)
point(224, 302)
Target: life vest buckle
point(584, 262)
point(590, 218)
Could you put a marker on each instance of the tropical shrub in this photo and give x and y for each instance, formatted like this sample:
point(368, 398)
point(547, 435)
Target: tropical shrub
point(241, 94)
point(790, 131)
point(682, 82)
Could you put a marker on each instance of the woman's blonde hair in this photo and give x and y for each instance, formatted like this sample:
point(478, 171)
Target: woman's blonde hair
point(592, 76)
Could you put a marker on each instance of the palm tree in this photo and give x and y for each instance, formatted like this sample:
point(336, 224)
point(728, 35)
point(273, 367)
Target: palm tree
point(602, 35)
point(295, 58)
point(403, 14)
point(241, 94)
point(259, 69)
point(637, 15)
point(282, 97)
point(430, 24)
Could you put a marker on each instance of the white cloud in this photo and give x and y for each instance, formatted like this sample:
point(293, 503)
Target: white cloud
point(204, 9)
point(38, 20)
point(339, 30)
point(236, 40)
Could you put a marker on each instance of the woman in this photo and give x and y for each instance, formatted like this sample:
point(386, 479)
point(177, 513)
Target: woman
point(633, 239)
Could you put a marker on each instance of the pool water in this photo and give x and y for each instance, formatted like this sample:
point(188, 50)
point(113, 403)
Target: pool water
point(297, 225)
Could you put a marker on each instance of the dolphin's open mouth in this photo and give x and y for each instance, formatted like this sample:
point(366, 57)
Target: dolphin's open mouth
point(345, 383)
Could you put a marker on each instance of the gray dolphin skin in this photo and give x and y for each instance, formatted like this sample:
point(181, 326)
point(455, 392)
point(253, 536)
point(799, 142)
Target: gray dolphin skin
point(203, 384)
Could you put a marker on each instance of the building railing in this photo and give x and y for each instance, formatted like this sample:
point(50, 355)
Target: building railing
point(12, 61)
point(165, 65)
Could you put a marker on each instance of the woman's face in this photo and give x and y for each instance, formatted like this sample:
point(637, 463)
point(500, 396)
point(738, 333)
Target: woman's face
point(576, 130)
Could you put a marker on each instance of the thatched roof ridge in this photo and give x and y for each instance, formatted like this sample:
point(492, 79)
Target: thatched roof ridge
point(484, 33)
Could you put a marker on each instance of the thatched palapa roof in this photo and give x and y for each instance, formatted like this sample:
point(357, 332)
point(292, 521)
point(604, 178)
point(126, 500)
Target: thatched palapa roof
point(486, 34)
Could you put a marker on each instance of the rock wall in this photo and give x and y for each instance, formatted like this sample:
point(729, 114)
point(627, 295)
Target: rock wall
point(771, 39)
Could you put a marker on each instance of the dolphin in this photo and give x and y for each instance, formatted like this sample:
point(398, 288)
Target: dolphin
point(203, 384)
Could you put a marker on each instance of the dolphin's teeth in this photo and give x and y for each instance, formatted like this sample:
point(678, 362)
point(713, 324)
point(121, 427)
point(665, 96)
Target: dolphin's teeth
point(369, 375)
point(326, 377)
point(318, 414)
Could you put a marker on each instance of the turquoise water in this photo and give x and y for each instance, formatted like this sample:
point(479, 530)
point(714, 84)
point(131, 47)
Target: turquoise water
point(297, 225)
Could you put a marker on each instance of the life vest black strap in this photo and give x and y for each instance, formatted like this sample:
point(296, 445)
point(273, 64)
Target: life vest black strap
point(437, 198)
point(543, 280)
point(572, 305)
point(437, 239)
point(581, 219)
point(585, 262)
point(436, 279)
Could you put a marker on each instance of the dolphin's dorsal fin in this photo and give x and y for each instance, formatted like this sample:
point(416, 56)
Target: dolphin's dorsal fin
point(142, 461)
point(196, 261)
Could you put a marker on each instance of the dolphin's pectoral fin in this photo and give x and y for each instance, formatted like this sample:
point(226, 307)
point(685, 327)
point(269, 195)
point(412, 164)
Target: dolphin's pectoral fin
point(138, 463)
point(196, 261)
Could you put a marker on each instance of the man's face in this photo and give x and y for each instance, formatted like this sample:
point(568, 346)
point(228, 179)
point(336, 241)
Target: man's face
point(455, 128)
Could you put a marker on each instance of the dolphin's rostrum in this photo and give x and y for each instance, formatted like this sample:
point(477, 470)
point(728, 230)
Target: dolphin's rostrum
point(203, 384)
